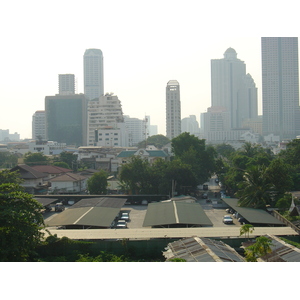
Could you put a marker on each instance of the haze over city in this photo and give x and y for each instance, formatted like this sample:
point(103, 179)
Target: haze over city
point(144, 46)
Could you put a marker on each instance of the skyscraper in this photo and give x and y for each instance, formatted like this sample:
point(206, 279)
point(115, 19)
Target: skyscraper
point(39, 125)
point(280, 86)
point(66, 84)
point(233, 89)
point(173, 109)
point(66, 119)
point(93, 73)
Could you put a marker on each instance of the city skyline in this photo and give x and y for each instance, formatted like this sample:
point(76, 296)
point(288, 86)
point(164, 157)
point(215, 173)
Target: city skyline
point(140, 56)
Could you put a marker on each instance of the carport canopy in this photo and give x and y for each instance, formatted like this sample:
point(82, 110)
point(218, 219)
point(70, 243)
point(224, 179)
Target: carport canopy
point(252, 215)
point(85, 216)
point(174, 212)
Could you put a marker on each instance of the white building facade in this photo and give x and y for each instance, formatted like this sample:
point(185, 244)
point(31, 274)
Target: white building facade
point(233, 89)
point(173, 109)
point(280, 86)
point(66, 84)
point(106, 126)
point(39, 125)
point(93, 73)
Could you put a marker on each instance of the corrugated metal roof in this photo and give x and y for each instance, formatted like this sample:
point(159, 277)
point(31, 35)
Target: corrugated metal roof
point(195, 249)
point(282, 252)
point(170, 213)
point(252, 215)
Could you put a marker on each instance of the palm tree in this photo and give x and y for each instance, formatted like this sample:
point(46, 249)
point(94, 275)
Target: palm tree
point(246, 229)
point(254, 190)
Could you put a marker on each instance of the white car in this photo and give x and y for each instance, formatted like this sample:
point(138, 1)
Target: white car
point(124, 216)
point(121, 224)
point(227, 219)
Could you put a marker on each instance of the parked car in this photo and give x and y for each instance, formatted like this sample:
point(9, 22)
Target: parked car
point(227, 219)
point(121, 224)
point(204, 196)
point(59, 207)
point(124, 216)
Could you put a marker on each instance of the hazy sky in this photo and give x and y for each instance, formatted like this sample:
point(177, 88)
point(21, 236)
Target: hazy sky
point(144, 43)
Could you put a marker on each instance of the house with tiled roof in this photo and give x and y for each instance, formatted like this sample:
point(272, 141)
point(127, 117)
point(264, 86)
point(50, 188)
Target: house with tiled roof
point(150, 155)
point(68, 183)
point(52, 171)
point(35, 182)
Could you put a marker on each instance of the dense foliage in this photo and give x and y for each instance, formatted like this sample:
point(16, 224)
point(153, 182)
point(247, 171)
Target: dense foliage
point(158, 141)
point(255, 175)
point(21, 222)
point(97, 183)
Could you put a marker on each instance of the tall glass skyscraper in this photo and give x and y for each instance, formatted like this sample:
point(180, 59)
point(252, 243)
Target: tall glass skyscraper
point(280, 86)
point(173, 109)
point(93, 73)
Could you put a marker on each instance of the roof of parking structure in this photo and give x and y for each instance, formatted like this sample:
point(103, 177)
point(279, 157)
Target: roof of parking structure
point(100, 202)
point(45, 201)
point(174, 212)
point(252, 215)
point(85, 216)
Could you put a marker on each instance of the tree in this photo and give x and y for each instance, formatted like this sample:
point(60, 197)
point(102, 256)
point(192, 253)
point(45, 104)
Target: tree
point(246, 229)
point(157, 140)
point(255, 190)
point(193, 152)
point(97, 183)
point(260, 248)
point(8, 160)
point(21, 222)
point(7, 176)
point(135, 174)
point(33, 159)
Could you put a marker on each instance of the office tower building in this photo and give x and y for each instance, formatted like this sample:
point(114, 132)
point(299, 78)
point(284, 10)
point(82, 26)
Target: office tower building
point(106, 126)
point(66, 119)
point(66, 84)
point(233, 89)
point(173, 109)
point(93, 73)
point(190, 124)
point(280, 86)
point(39, 125)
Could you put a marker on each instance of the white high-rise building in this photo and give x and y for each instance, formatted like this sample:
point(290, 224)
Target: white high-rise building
point(93, 73)
point(190, 124)
point(105, 118)
point(66, 84)
point(173, 109)
point(280, 86)
point(39, 125)
point(138, 129)
point(233, 89)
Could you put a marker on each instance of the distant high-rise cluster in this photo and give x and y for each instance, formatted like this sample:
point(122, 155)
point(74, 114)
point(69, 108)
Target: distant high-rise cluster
point(95, 118)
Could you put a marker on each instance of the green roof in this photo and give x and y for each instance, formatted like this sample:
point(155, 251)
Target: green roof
point(173, 212)
point(252, 215)
point(85, 216)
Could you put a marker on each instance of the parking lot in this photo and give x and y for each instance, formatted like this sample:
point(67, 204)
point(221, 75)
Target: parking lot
point(137, 214)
